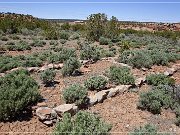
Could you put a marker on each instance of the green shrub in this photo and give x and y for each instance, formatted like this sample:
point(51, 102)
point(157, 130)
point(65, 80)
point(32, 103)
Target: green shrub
point(70, 66)
point(75, 36)
point(104, 41)
point(95, 83)
point(14, 37)
point(18, 90)
point(23, 45)
point(53, 43)
point(82, 123)
point(121, 75)
point(125, 45)
point(38, 43)
point(89, 52)
point(159, 96)
point(159, 79)
point(146, 130)
point(75, 94)
point(136, 59)
point(64, 35)
point(48, 76)
point(51, 34)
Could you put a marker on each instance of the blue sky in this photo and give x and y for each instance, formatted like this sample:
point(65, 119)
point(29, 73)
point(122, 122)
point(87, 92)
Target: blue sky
point(159, 12)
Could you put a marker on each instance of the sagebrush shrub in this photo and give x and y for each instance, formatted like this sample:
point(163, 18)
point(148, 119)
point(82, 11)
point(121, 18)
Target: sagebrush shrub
point(70, 66)
point(159, 79)
point(64, 35)
point(18, 90)
point(147, 129)
point(159, 96)
point(48, 76)
point(82, 123)
point(104, 41)
point(89, 52)
point(95, 83)
point(38, 43)
point(121, 75)
point(75, 94)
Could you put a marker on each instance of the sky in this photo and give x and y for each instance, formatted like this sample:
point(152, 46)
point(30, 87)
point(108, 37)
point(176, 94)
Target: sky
point(124, 10)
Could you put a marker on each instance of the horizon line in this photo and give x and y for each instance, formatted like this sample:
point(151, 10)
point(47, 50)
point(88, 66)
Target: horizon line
point(89, 2)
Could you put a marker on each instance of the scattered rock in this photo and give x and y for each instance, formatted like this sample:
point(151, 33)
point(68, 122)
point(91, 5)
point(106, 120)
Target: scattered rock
point(140, 81)
point(43, 68)
point(84, 70)
point(50, 66)
point(124, 65)
point(170, 71)
point(58, 66)
point(86, 62)
point(92, 100)
point(32, 69)
point(48, 122)
point(2, 74)
point(45, 113)
point(70, 108)
point(42, 104)
point(101, 95)
point(144, 69)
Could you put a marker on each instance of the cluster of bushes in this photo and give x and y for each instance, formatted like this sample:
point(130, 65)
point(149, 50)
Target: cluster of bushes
point(62, 54)
point(147, 58)
point(90, 52)
point(121, 75)
point(82, 123)
point(147, 129)
point(48, 76)
point(13, 23)
point(97, 25)
point(163, 94)
point(38, 43)
point(159, 79)
point(18, 91)
point(95, 83)
point(20, 46)
point(10, 62)
point(159, 96)
point(104, 41)
point(70, 66)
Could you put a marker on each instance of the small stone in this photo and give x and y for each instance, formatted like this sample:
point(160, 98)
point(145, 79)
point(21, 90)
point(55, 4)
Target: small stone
point(42, 104)
point(45, 113)
point(48, 122)
point(70, 108)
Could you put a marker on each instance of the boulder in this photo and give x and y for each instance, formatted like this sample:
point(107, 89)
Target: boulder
point(101, 95)
point(45, 113)
point(118, 89)
point(66, 108)
point(92, 100)
point(169, 71)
